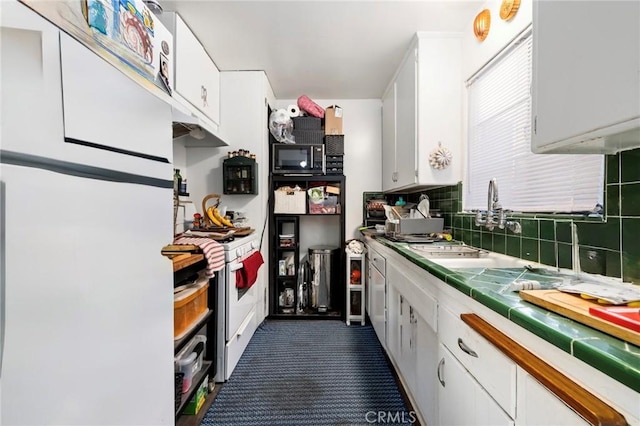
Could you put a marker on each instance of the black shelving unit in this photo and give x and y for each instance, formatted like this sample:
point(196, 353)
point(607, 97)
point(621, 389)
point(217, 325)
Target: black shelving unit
point(283, 283)
point(205, 326)
point(287, 255)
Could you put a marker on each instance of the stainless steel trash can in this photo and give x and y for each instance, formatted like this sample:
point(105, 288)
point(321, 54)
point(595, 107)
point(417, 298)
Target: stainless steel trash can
point(324, 269)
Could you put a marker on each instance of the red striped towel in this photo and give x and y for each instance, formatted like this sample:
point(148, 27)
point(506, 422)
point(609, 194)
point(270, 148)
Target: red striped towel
point(212, 250)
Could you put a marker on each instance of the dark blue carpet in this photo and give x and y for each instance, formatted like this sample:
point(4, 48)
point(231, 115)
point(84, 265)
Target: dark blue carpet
point(310, 373)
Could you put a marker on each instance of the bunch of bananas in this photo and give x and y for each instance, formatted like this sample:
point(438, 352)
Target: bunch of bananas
point(216, 218)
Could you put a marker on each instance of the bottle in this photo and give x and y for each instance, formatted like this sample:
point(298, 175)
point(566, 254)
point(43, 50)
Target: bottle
point(177, 181)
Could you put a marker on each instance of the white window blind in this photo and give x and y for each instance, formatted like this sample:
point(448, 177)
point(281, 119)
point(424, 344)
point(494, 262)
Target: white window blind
point(499, 146)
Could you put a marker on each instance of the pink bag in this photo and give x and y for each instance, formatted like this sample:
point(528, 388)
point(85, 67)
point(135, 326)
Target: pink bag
point(310, 107)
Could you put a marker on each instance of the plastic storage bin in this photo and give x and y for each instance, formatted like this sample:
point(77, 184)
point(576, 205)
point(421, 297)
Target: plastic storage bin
point(188, 306)
point(187, 365)
point(326, 206)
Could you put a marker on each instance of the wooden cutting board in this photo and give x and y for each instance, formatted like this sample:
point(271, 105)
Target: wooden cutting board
point(574, 307)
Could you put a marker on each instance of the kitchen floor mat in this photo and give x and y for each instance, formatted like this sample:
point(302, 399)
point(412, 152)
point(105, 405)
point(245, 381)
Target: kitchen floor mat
point(309, 373)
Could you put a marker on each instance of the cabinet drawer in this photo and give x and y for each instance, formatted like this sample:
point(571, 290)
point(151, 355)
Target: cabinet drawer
point(493, 370)
point(377, 260)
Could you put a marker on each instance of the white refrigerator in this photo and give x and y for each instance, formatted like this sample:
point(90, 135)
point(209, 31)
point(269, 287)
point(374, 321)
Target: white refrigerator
point(86, 301)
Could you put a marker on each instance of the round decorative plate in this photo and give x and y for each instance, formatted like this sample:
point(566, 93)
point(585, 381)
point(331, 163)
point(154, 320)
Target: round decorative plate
point(440, 158)
point(481, 24)
point(508, 9)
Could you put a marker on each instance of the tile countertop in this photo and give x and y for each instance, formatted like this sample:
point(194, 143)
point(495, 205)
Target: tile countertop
point(614, 357)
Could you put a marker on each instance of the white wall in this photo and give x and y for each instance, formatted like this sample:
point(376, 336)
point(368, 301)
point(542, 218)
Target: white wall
point(477, 53)
point(362, 127)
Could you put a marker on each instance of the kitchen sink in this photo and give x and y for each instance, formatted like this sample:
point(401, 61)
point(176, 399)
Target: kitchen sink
point(461, 256)
point(445, 251)
point(484, 260)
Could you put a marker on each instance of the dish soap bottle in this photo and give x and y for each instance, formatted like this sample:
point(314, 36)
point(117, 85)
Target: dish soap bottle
point(401, 202)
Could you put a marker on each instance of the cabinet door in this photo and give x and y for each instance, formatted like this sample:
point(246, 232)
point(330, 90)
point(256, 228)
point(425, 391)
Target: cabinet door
point(393, 323)
point(104, 108)
point(406, 97)
point(378, 303)
point(408, 335)
point(532, 395)
point(197, 77)
point(389, 169)
point(461, 400)
point(582, 81)
point(489, 366)
point(426, 386)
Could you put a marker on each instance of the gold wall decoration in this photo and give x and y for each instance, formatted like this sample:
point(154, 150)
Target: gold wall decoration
point(481, 24)
point(508, 9)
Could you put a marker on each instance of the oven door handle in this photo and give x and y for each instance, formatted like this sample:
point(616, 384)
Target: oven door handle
point(245, 324)
point(236, 266)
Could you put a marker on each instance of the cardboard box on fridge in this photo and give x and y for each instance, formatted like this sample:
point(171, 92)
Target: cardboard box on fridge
point(333, 120)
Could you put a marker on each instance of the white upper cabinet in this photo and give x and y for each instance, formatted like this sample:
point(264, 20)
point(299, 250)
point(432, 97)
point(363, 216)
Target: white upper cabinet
point(586, 76)
point(195, 77)
point(406, 118)
point(421, 112)
point(389, 170)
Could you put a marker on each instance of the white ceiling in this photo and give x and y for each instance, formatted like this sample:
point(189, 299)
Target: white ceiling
point(323, 49)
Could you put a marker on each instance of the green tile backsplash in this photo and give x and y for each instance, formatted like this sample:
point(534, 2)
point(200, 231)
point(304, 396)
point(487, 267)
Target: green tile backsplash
point(610, 247)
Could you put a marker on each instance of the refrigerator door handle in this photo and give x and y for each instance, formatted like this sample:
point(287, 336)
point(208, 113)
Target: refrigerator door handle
point(3, 267)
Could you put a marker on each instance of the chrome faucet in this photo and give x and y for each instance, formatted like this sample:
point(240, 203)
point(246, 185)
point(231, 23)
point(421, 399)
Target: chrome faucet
point(495, 214)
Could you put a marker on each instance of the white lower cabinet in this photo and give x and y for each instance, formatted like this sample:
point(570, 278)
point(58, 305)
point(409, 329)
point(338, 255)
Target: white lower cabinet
point(393, 323)
point(426, 386)
point(461, 399)
point(377, 294)
point(412, 339)
point(457, 369)
point(491, 368)
point(407, 350)
point(538, 406)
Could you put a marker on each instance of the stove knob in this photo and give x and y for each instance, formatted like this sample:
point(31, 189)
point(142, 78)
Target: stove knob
point(239, 252)
point(254, 244)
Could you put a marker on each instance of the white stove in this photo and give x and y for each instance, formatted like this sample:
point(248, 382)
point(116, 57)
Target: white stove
point(236, 308)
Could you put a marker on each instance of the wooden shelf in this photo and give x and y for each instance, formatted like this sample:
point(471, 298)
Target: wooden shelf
point(184, 260)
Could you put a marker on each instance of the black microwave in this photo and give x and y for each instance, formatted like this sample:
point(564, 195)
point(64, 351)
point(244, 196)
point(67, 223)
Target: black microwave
point(297, 159)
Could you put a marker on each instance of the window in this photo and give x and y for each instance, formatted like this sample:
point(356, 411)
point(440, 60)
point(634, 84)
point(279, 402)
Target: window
point(499, 145)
